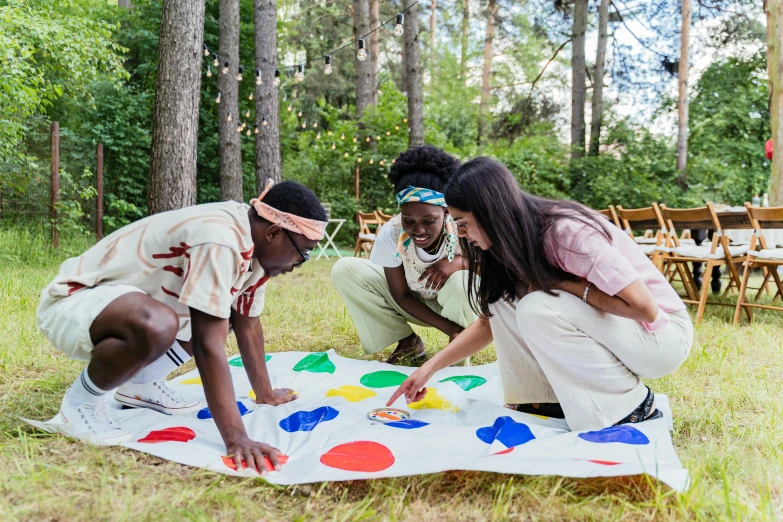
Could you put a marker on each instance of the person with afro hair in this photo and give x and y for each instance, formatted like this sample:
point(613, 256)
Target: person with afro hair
point(147, 298)
point(416, 273)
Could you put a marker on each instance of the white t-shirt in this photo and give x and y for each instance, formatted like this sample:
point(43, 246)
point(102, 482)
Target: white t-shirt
point(384, 250)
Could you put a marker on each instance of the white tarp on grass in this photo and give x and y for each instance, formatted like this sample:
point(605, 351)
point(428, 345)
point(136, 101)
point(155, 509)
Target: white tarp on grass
point(460, 425)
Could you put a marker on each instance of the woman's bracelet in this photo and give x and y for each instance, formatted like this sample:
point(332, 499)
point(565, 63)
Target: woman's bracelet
point(587, 291)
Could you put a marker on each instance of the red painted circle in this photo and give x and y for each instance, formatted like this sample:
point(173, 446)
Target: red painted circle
point(361, 455)
point(176, 434)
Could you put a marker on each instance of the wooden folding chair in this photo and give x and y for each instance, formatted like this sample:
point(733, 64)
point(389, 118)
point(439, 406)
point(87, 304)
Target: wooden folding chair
point(636, 219)
point(366, 237)
point(718, 253)
point(385, 218)
point(610, 214)
point(767, 257)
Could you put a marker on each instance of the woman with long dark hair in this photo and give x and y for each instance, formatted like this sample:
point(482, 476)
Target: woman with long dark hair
point(579, 315)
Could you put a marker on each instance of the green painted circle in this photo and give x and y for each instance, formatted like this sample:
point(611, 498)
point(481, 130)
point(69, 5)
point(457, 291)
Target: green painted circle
point(466, 382)
point(382, 379)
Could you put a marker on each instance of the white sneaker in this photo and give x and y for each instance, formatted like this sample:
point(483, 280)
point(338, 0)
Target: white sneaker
point(92, 424)
point(155, 395)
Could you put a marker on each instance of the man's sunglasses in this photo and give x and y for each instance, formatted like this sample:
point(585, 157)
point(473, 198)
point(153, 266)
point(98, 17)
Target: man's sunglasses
point(304, 255)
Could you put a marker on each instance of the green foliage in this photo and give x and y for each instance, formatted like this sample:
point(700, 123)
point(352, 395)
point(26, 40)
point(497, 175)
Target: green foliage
point(49, 51)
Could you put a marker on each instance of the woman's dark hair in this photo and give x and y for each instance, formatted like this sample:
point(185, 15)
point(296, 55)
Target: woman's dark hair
point(517, 224)
point(423, 166)
point(295, 198)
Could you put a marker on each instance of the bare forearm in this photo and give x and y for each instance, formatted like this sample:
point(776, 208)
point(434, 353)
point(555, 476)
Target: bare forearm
point(633, 302)
point(216, 377)
point(424, 313)
point(250, 339)
point(472, 340)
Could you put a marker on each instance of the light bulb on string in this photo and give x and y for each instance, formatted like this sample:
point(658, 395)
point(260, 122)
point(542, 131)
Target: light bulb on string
point(318, 136)
point(225, 67)
point(359, 159)
point(342, 135)
point(346, 154)
point(247, 114)
point(361, 54)
point(299, 76)
point(258, 77)
point(248, 132)
point(328, 64)
point(355, 139)
point(229, 116)
point(250, 96)
point(329, 133)
point(239, 127)
point(299, 113)
point(396, 127)
point(367, 139)
point(333, 146)
point(388, 133)
point(216, 62)
point(240, 73)
point(206, 50)
point(381, 163)
point(277, 78)
point(217, 100)
point(304, 124)
point(398, 28)
point(370, 161)
point(255, 128)
point(315, 124)
point(405, 120)
point(395, 159)
point(290, 108)
point(378, 137)
point(264, 122)
point(209, 71)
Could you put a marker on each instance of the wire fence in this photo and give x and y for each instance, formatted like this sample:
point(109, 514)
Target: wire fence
point(52, 157)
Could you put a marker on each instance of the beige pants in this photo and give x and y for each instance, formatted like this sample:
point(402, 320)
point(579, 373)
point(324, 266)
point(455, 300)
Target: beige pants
point(560, 349)
point(378, 318)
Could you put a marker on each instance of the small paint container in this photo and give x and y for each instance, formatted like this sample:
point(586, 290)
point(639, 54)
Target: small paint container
point(387, 415)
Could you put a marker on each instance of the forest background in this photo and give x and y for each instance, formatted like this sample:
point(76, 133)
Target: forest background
point(91, 65)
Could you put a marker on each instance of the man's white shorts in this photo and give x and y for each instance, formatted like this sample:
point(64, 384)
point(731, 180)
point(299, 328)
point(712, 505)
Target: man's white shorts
point(66, 321)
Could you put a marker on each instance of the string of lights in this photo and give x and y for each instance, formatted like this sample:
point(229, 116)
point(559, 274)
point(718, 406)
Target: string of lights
point(222, 66)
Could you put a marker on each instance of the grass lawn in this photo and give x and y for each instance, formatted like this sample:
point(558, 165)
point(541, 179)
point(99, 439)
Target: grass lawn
point(726, 398)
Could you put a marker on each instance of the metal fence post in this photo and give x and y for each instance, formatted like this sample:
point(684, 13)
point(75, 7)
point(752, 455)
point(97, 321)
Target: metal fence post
point(55, 182)
point(99, 201)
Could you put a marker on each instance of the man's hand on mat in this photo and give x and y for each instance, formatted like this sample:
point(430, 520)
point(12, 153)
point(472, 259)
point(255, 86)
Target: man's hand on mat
point(413, 387)
point(277, 396)
point(438, 273)
point(252, 453)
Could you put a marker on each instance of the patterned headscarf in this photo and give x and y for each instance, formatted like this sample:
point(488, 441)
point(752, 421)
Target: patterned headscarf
point(309, 228)
point(430, 197)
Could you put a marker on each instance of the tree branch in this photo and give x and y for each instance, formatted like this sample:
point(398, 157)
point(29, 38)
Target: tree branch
point(540, 74)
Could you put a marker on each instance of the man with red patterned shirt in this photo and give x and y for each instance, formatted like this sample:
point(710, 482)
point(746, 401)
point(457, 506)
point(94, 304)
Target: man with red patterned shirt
point(169, 287)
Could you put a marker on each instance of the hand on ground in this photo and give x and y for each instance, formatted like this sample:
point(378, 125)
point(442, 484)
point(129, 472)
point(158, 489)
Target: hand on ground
point(277, 397)
point(252, 453)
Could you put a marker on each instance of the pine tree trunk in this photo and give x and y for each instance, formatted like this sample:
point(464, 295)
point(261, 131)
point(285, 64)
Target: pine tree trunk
point(774, 10)
point(413, 75)
point(268, 162)
point(578, 88)
point(682, 101)
point(464, 40)
point(361, 24)
point(433, 23)
point(175, 121)
point(228, 138)
point(598, 77)
point(486, 75)
point(375, 49)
